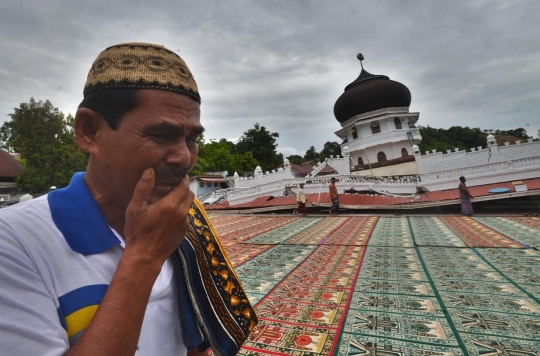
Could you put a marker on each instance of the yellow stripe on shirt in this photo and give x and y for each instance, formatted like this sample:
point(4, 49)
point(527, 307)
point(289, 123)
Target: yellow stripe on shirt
point(80, 319)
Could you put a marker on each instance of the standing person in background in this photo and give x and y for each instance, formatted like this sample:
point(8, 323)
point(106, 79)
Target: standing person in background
point(465, 196)
point(301, 200)
point(334, 210)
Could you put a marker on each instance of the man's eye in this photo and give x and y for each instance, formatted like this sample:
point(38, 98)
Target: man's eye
point(191, 142)
point(161, 137)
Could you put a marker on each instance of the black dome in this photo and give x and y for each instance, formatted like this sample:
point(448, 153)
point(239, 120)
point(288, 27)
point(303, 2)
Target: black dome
point(370, 92)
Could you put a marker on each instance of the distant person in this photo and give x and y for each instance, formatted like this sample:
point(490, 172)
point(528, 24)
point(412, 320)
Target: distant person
point(26, 197)
point(334, 210)
point(465, 196)
point(301, 200)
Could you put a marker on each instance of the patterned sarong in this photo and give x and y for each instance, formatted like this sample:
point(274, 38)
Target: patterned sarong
point(335, 205)
point(208, 283)
point(302, 208)
point(466, 207)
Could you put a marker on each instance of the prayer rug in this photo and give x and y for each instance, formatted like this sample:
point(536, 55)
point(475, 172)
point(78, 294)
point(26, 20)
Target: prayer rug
point(430, 231)
point(254, 228)
point(389, 286)
point(314, 234)
point(304, 313)
point(475, 234)
point(285, 232)
point(241, 253)
point(514, 228)
point(354, 232)
point(391, 232)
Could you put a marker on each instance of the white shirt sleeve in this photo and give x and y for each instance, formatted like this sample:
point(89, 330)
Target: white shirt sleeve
point(29, 321)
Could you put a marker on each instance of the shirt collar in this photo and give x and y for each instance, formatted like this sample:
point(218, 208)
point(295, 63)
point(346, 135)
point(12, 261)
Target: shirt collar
point(77, 215)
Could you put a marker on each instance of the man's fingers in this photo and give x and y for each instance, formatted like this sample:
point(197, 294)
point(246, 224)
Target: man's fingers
point(180, 193)
point(144, 188)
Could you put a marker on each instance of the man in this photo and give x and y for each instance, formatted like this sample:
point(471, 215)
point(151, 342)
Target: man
point(123, 261)
point(334, 196)
point(301, 200)
point(465, 197)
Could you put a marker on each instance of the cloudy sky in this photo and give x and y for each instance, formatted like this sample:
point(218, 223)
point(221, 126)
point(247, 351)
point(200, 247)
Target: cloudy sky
point(284, 63)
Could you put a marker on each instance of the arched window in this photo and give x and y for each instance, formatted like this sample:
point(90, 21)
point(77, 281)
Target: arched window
point(404, 152)
point(354, 133)
point(397, 122)
point(360, 161)
point(381, 157)
point(375, 127)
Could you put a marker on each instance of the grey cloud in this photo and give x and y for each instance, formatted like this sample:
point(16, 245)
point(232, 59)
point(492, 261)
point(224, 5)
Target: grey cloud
point(284, 64)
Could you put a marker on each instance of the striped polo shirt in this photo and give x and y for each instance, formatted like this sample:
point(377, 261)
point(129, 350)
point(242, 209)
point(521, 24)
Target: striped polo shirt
point(55, 267)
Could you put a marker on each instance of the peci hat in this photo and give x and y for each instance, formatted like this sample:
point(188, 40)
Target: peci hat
point(141, 66)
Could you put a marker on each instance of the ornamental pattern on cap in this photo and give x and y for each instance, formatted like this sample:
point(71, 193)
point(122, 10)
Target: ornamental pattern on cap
point(141, 66)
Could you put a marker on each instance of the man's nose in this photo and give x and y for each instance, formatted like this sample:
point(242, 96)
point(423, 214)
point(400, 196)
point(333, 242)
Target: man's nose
point(179, 154)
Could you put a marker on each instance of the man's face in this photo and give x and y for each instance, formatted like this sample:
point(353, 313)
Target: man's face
point(160, 133)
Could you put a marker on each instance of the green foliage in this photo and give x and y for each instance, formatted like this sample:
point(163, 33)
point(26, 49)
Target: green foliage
point(311, 154)
point(222, 155)
point(454, 137)
point(262, 144)
point(330, 149)
point(45, 139)
point(295, 159)
point(519, 132)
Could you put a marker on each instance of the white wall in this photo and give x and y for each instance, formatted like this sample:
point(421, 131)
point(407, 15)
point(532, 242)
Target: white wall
point(244, 182)
point(402, 169)
point(392, 150)
point(494, 160)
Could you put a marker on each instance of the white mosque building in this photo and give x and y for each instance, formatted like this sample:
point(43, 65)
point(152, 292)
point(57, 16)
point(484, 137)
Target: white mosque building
point(381, 152)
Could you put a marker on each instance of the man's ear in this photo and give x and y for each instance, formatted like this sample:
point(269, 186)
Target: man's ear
point(87, 125)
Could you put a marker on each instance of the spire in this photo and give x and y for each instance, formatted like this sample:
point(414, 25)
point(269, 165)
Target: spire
point(360, 57)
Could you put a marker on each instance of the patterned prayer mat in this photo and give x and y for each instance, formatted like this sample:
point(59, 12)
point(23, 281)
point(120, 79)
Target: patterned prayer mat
point(398, 286)
point(521, 229)
point(475, 234)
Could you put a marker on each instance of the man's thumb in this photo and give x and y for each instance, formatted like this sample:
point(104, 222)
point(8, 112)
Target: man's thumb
point(144, 188)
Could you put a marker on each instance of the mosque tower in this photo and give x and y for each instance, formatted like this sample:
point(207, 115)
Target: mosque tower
point(375, 119)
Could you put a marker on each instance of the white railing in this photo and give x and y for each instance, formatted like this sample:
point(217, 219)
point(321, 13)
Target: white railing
point(483, 169)
point(384, 137)
point(318, 169)
point(319, 181)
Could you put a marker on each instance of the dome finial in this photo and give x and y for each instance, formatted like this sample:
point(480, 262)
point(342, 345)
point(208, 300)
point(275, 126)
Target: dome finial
point(360, 57)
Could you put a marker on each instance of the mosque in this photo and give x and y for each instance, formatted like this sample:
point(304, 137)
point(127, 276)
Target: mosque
point(381, 164)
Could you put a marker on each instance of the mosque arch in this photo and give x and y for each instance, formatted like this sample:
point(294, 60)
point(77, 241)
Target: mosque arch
point(404, 152)
point(381, 157)
point(397, 122)
point(360, 161)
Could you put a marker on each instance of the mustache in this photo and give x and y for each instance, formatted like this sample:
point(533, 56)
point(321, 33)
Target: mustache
point(179, 173)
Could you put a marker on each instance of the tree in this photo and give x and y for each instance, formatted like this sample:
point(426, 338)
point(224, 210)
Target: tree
point(295, 159)
point(262, 144)
point(218, 156)
point(454, 137)
point(311, 154)
point(45, 139)
point(330, 149)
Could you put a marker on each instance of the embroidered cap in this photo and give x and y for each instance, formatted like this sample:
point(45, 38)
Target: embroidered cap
point(141, 66)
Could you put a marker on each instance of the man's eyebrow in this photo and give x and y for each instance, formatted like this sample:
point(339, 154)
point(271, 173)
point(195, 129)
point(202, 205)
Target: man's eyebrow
point(167, 126)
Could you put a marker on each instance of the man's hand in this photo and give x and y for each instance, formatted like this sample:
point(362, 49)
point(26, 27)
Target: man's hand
point(152, 232)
